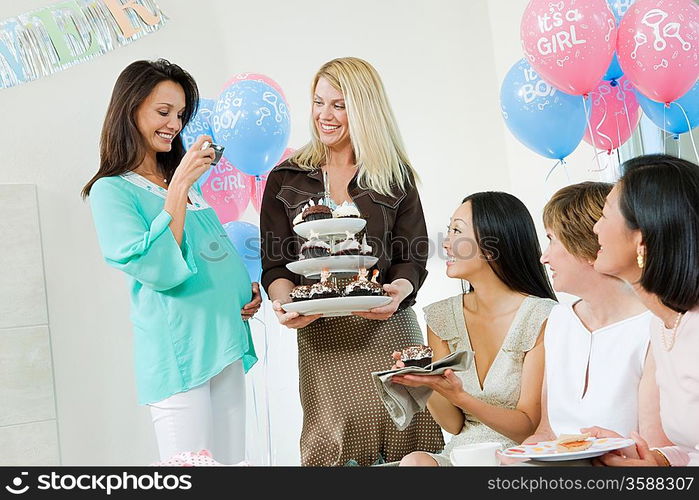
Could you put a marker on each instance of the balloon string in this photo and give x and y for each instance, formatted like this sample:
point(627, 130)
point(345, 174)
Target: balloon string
point(559, 162)
point(599, 125)
point(617, 167)
point(265, 366)
point(596, 156)
point(689, 127)
point(592, 136)
point(626, 111)
point(664, 130)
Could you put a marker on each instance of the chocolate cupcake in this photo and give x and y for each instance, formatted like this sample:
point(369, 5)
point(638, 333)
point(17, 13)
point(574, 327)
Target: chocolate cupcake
point(324, 289)
point(416, 355)
point(316, 211)
point(348, 246)
point(314, 248)
point(346, 210)
point(301, 292)
point(362, 287)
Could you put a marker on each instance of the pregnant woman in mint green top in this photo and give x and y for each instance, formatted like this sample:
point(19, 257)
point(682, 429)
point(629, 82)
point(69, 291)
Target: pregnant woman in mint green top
point(191, 295)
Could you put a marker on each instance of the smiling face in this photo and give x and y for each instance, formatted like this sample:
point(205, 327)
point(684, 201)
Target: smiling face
point(566, 268)
point(464, 257)
point(619, 245)
point(330, 115)
point(159, 116)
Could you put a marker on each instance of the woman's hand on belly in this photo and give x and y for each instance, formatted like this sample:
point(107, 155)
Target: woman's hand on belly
point(249, 309)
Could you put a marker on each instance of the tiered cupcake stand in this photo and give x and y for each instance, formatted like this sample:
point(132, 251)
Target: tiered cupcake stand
point(340, 266)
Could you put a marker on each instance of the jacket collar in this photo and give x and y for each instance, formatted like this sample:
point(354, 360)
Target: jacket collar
point(354, 190)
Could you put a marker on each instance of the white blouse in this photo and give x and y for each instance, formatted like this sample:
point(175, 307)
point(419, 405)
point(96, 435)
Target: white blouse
point(612, 357)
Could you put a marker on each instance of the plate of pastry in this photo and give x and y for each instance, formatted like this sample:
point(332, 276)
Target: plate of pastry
point(330, 227)
point(568, 447)
point(336, 264)
point(336, 306)
point(324, 297)
point(316, 217)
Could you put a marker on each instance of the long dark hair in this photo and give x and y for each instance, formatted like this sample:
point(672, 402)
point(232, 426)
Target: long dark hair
point(506, 236)
point(122, 147)
point(659, 195)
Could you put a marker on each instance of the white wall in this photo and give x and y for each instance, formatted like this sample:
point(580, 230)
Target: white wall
point(441, 62)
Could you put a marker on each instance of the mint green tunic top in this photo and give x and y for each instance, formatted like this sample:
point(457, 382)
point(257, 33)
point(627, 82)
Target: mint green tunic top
point(185, 300)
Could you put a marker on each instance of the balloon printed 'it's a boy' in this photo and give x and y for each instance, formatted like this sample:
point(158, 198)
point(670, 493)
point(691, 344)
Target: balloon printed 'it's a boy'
point(251, 120)
point(543, 118)
point(199, 123)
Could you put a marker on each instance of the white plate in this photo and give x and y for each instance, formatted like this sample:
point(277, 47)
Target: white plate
point(330, 227)
point(338, 306)
point(546, 450)
point(336, 264)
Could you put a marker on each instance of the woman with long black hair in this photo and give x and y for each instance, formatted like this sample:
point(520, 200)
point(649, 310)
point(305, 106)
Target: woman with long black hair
point(649, 237)
point(190, 294)
point(492, 244)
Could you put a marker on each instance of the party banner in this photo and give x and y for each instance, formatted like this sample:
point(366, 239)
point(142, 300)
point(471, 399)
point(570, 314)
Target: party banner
point(53, 38)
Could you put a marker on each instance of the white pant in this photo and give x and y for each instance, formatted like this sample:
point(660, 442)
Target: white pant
point(210, 416)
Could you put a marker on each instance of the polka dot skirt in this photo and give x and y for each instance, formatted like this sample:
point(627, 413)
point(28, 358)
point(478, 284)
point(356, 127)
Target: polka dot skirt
point(343, 417)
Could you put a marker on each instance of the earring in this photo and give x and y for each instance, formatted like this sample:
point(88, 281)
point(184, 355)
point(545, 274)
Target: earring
point(639, 260)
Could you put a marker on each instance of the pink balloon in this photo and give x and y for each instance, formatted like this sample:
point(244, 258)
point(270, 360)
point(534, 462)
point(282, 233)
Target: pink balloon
point(227, 190)
point(241, 77)
point(258, 184)
point(614, 115)
point(570, 43)
point(658, 47)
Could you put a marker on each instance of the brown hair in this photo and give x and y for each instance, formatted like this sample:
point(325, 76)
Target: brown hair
point(571, 214)
point(122, 147)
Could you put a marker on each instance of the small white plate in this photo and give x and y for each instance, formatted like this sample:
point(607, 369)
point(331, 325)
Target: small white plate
point(338, 306)
point(336, 264)
point(546, 450)
point(337, 226)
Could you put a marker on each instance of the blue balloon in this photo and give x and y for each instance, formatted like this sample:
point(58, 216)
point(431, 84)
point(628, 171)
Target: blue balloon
point(619, 8)
point(540, 116)
point(674, 118)
point(251, 120)
point(199, 125)
point(246, 240)
point(614, 72)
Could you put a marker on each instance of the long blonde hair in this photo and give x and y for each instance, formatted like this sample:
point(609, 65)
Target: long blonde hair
point(378, 147)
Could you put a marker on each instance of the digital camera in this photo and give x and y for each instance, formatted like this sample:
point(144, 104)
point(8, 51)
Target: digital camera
point(218, 149)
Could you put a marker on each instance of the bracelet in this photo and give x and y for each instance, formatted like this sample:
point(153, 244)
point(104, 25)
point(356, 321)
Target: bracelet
point(662, 455)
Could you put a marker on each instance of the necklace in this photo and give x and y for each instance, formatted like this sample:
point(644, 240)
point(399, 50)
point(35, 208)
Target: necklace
point(669, 344)
point(152, 175)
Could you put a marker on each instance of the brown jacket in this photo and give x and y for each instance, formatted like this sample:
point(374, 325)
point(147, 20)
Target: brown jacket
point(395, 226)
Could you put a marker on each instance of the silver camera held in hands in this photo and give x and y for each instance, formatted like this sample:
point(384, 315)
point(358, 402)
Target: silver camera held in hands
point(218, 149)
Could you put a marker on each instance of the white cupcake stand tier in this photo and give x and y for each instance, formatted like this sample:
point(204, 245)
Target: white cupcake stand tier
point(330, 230)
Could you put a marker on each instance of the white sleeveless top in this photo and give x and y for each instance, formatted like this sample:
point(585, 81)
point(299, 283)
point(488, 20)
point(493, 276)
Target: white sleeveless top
point(615, 355)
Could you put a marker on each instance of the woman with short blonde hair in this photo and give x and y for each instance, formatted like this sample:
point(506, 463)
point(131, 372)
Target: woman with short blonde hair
point(599, 371)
